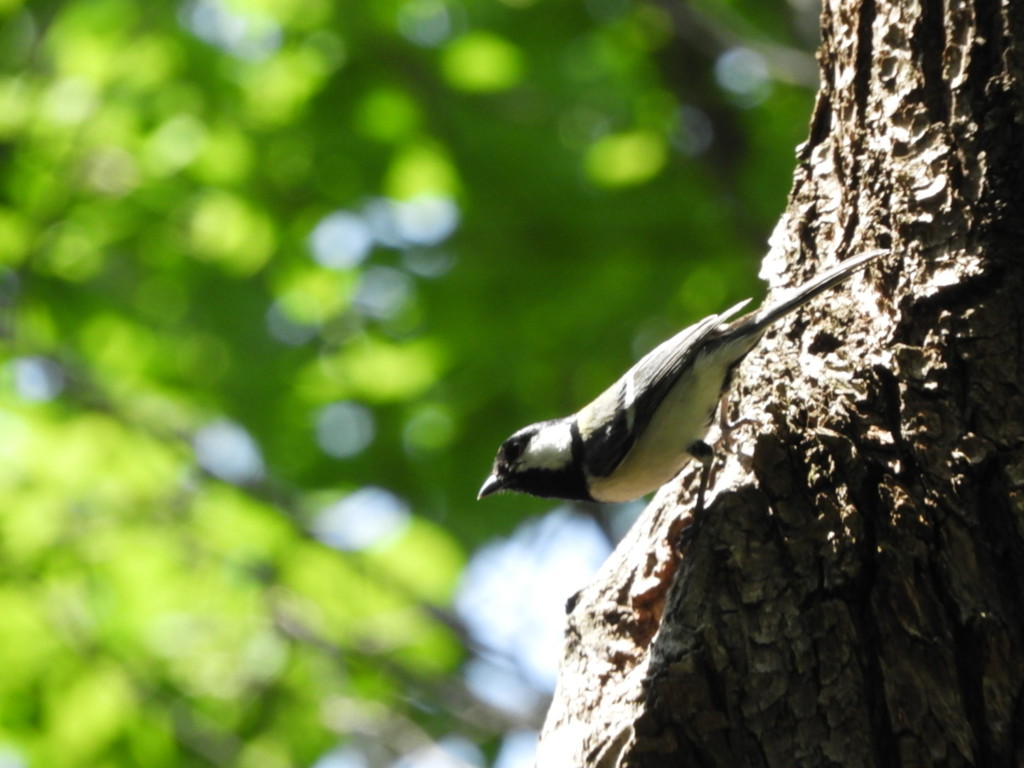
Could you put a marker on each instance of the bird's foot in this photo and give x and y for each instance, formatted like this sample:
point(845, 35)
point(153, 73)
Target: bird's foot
point(706, 456)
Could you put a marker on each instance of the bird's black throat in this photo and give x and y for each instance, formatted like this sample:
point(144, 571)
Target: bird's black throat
point(568, 483)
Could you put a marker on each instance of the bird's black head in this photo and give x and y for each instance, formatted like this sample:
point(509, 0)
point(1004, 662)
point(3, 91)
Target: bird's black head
point(541, 460)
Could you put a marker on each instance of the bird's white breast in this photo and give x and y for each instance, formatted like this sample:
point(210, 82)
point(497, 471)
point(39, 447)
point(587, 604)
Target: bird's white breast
point(681, 419)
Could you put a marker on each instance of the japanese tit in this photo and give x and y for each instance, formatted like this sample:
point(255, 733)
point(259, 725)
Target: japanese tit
point(639, 433)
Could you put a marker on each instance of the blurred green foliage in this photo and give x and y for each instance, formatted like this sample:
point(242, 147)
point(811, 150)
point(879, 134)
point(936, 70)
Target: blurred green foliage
point(355, 244)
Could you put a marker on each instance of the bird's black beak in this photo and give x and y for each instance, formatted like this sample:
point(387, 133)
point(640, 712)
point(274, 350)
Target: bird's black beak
point(491, 485)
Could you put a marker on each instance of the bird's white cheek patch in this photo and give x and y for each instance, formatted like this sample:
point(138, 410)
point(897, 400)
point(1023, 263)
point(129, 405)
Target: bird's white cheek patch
point(550, 448)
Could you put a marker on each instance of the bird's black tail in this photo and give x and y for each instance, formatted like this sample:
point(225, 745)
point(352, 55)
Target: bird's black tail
point(765, 316)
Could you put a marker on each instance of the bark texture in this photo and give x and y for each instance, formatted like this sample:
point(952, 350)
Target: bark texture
point(856, 597)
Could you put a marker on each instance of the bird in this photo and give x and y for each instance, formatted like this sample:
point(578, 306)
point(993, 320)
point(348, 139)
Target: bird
point(640, 432)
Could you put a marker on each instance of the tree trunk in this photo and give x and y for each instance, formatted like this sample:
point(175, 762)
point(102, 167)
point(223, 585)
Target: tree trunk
point(856, 595)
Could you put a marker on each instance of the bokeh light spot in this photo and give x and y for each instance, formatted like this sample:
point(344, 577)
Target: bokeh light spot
point(286, 329)
point(37, 378)
point(625, 159)
point(430, 428)
point(175, 144)
point(501, 686)
point(344, 429)
point(226, 450)
point(382, 292)
point(518, 750)
point(447, 752)
point(248, 36)
point(341, 240)
point(426, 219)
point(425, 22)
point(387, 114)
point(513, 592)
point(343, 757)
point(421, 168)
point(482, 62)
point(743, 72)
point(361, 519)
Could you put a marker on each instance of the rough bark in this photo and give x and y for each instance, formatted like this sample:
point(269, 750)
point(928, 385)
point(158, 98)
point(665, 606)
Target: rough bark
point(856, 597)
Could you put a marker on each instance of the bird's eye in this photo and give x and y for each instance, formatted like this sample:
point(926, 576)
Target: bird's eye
point(514, 447)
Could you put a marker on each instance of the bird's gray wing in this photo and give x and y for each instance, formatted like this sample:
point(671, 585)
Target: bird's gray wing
point(610, 424)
